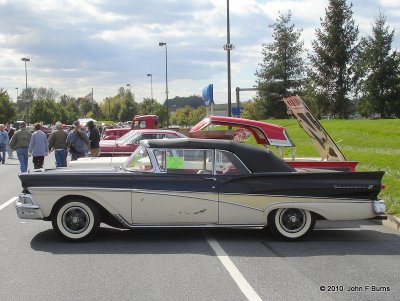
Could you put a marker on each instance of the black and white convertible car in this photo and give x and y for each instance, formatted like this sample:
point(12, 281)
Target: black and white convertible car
point(198, 183)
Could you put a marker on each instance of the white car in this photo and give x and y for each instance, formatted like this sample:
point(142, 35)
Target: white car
point(98, 162)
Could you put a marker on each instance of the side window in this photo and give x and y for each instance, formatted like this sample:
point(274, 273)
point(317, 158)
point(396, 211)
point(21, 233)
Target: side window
point(185, 161)
point(229, 164)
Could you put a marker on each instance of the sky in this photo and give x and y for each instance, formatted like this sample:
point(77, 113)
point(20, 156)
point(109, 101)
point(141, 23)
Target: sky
point(76, 45)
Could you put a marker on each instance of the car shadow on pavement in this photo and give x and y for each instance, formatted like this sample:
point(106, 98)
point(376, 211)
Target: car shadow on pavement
point(237, 242)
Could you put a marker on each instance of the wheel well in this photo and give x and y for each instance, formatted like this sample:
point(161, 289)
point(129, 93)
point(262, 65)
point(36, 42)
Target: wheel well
point(104, 214)
point(316, 215)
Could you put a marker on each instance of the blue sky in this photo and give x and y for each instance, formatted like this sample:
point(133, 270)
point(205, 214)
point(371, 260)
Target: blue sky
point(76, 45)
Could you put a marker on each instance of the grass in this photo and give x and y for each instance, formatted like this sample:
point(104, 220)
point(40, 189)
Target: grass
point(375, 144)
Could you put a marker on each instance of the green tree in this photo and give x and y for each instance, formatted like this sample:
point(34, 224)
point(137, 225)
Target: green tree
point(379, 66)
point(333, 61)
point(282, 69)
point(8, 110)
point(254, 109)
point(181, 116)
point(44, 110)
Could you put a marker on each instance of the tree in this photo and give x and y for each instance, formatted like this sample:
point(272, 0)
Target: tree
point(282, 69)
point(45, 111)
point(333, 61)
point(379, 67)
point(254, 109)
point(8, 110)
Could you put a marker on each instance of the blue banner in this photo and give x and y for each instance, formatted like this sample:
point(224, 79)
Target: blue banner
point(208, 94)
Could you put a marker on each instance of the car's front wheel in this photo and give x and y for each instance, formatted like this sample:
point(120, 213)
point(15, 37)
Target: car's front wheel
point(290, 224)
point(76, 220)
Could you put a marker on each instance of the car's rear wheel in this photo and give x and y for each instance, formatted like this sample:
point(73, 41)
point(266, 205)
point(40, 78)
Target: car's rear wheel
point(76, 220)
point(290, 224)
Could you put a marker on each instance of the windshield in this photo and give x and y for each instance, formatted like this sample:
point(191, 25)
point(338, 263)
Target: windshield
point(128, 137)
point(139, 160)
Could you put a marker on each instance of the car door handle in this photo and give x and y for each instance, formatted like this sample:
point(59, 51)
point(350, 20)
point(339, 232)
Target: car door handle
point(211, 179)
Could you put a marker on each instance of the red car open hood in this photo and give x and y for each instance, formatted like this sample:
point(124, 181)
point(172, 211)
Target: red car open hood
point(264, 133)
point(271, 134)
point(326, 147)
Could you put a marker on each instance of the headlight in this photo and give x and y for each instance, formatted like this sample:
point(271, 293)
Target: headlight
point(26, 199)
point(379, 207)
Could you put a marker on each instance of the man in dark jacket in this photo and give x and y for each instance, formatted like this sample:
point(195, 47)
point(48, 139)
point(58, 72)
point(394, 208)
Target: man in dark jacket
point(78, 142)
point(58, 143)
point(94, 138)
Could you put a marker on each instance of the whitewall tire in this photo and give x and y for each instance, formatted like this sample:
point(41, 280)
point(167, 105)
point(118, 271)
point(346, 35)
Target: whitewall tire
point(290, 224)
point(76, 220)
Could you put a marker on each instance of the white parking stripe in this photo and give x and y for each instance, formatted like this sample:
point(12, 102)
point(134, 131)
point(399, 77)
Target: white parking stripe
point(12, 200)
point(236, 275)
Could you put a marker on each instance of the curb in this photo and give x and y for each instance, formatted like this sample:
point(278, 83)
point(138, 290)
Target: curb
point(392, 222)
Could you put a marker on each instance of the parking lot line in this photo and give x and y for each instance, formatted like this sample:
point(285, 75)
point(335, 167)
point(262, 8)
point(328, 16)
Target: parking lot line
point(4, 205)
point(236, 275)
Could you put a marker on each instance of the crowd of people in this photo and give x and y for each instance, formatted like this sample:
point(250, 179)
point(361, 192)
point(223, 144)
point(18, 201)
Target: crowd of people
point(79, 142)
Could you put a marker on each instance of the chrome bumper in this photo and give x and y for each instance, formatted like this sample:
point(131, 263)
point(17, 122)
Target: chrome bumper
point(26, 207)
point(379, 207)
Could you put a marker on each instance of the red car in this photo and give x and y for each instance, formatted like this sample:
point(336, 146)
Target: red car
point(112, 134)
point(125, 145)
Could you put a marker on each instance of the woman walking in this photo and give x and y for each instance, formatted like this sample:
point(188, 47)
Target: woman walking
point(38, 147)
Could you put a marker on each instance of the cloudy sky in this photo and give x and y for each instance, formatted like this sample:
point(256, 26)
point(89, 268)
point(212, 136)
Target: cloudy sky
point(77, 45)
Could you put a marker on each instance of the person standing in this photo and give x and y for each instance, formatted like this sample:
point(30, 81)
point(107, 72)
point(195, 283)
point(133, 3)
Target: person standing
point(78, 142)
point(94, 139)
point(58, 142)
point(3, 143)
point(20, 142)
point(38, 147)
point(10, 130)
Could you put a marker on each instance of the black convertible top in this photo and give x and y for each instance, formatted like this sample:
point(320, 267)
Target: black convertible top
point(257, 159)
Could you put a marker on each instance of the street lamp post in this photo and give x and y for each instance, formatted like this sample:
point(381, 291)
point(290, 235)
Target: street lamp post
point(166, 77)
point(24, 59)
point(17, 93)
point(228, 47)
point(151, 84)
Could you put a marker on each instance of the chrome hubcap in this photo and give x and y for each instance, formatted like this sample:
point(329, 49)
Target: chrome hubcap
point(75, 220)
point(292, 220)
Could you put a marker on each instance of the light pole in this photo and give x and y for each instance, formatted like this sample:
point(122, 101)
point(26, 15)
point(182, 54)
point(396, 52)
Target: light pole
point(24, 59)
point(151, 84)
point(166, 77)
point(17, 93)
point(228, 47)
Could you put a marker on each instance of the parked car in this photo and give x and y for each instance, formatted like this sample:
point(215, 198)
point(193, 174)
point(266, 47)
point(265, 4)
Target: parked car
point(267, 134)
point(198, 183)
point(98, 162)
point(115, 133)
point(125, 145)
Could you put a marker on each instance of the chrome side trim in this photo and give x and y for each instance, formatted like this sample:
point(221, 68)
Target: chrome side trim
point(297, 196)
point(240, 205)
point(183, 225)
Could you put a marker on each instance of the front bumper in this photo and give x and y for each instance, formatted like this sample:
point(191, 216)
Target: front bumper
point(27, 208)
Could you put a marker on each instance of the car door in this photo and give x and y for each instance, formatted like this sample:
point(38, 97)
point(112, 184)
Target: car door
point(181, 189)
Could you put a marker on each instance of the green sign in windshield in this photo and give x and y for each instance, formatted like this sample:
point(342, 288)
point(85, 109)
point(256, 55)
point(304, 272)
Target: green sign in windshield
point(175, 162)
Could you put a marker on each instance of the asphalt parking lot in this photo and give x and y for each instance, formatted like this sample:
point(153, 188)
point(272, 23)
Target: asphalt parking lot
point(357, 260)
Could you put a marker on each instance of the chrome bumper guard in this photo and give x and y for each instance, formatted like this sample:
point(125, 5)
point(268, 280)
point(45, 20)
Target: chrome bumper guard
point(27, 208)
point(379, 207)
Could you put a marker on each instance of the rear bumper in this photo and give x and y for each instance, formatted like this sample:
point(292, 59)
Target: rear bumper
point(26, 207)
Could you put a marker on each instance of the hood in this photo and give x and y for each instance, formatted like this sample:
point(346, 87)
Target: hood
point(326, 147)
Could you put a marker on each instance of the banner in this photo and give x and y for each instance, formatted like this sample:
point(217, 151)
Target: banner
point(208, 94)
